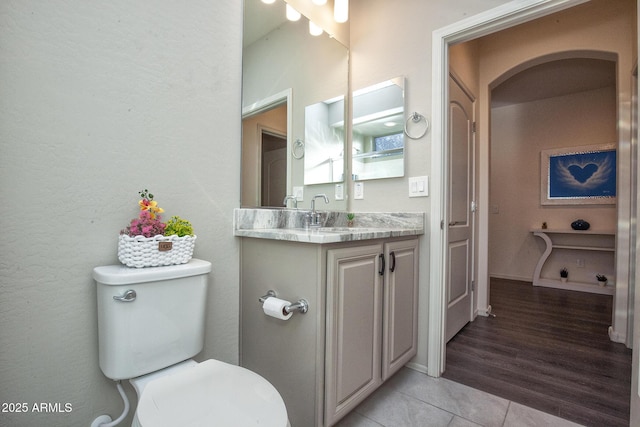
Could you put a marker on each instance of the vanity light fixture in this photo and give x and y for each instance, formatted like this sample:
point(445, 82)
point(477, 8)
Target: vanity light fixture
point(314, 29)
point(341, 10)
point(390, 124)
point(292, 14)
point(319, 2)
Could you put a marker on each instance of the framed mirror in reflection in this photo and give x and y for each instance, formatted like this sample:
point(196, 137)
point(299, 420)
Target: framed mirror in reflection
point(286, 70)
point(378, 131)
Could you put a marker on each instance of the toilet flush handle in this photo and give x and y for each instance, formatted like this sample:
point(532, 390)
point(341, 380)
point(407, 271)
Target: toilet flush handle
point(128, 296)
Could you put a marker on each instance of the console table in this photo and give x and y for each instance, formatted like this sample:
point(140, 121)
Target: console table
point(583, 240)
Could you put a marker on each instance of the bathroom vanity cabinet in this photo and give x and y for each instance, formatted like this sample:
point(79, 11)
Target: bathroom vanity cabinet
point(371, 320)
point(361, 326)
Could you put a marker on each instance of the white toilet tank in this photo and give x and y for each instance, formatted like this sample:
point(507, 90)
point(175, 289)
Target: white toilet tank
point(149, 318)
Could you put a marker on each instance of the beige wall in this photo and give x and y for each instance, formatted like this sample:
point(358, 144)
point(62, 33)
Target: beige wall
point(518, 134)
point(601, 27)
point(101, 100)
point(378, 53)
point(390, 39)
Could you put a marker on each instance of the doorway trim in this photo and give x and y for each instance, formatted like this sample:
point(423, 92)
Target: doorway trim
point(505, 16)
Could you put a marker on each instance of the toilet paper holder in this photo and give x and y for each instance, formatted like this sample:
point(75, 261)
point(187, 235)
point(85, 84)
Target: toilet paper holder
point(301, 305)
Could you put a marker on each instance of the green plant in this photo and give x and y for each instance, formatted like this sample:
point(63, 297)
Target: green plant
point(351, 216)
point(564, 272)
point(178, 226)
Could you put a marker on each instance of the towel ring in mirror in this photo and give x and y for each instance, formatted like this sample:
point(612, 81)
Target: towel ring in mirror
point(416, 118)
point(297, 151)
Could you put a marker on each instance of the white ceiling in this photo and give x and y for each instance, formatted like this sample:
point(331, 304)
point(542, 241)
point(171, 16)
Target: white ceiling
point(555, 78)
point(260, 19)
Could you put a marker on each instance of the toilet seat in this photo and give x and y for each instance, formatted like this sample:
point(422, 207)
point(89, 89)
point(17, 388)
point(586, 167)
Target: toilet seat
point(211, 393)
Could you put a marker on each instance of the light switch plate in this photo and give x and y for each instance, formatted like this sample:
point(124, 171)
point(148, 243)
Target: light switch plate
point(358, 190)
point(298, 193)
point(419, 186)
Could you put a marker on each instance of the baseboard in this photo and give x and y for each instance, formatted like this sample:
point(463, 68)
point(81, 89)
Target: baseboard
point(509, 277)
point(616, 337)
point(417, 367)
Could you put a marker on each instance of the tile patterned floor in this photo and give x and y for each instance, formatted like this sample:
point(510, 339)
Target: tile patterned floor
point(411, 398)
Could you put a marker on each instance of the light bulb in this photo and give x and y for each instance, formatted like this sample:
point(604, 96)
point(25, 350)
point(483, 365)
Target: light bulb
point(319, 2)
point(341, 10)
point(314, 29)
point(292, 14)
point(268, 1)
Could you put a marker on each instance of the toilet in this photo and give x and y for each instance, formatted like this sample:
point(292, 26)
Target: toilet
point(150, 325)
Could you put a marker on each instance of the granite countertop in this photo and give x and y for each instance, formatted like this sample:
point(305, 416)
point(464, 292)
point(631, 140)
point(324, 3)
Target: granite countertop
point(288, 224)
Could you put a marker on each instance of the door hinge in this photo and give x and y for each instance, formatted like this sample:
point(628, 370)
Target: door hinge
point(473, 127)
point(442, 224)
point(473, 286)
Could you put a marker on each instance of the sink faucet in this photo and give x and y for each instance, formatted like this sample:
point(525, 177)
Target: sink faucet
point(293, 198)
point(315, 217)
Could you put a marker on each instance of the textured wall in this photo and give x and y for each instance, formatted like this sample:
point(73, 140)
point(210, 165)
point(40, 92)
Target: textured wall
point(97, 101)
point(518, 134)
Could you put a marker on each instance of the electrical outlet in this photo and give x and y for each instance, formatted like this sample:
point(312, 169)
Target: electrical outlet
point(358, 190)
point(298, 193)
point(339, 192)
point(580, 262)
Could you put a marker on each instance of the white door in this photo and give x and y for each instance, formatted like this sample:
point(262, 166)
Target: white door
point(460, 217)
point(274, 168)
point(274, 177)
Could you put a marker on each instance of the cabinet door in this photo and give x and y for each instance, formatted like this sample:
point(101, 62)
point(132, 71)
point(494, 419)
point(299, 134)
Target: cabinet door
point(354, 321)
point(400, 329)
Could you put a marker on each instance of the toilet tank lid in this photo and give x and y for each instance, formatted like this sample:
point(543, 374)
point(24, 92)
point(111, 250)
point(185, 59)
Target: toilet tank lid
point(123, 275)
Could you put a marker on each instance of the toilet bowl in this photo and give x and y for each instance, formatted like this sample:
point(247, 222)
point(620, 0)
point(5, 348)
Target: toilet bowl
point(210, 393)
point(150, 325)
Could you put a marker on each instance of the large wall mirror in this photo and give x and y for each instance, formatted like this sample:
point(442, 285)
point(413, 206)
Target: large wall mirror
point(378, 131)
point(290, 79)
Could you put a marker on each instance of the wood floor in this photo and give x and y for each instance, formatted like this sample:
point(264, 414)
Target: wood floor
point(548, 349)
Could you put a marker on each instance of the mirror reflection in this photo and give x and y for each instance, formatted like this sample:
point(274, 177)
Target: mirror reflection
point(286, 70)
point(324, 140)
point(378, 131)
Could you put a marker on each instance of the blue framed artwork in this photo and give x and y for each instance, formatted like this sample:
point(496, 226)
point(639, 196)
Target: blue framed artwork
point(579, 175)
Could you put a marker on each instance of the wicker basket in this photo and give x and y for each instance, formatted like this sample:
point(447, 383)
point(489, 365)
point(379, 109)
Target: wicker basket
point(140, 251)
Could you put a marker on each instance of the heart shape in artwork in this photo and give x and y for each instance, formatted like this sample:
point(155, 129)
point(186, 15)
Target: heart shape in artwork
point(582, 174)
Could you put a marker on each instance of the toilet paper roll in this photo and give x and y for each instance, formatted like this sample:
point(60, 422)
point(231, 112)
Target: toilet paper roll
point(274, 307)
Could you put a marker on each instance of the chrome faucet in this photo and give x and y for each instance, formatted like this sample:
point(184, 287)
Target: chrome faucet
point(293, 198)
point(315, 218)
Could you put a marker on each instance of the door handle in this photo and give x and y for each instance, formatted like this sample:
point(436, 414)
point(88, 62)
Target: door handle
point(381, 271)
